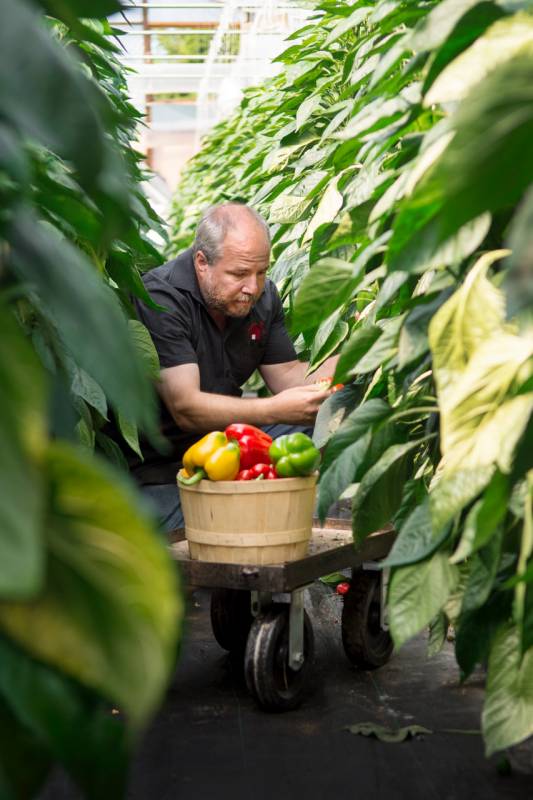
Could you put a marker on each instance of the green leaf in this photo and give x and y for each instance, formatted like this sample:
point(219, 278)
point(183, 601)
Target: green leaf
point(22, 432)
point(416, 594)
point(70, 127)
point(326, 286)
point(86, 387)
point(345, 25)
point(483, 569)
point(72, 724)
point(383, 348)
point(467, 180)
point(288, 208)
point(130, 433)
point(389, 472)
point(145, 348)
point(328, 208)
point(501, 42)
point(483, 518)
point(519, 277)
point(356, 424)
point(109, 615)
point(341, 473)
point(390, 735)
point(450, 494)
point(78, 301)
point(438, 628)
point(475, 630)
point(417, 539)
point(331, 414)
point(80, 8)
point(307, 109)
point(468, 318)
point(324, 349)
point(507, 717)
point(354, 349)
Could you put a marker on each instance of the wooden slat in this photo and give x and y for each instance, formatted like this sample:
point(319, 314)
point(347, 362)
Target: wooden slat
point(330, 550)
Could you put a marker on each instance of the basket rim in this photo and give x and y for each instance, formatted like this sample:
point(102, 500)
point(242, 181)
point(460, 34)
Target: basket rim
point(250, 487)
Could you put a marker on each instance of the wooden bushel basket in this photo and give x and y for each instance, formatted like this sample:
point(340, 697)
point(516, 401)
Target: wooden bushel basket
point(249, 522)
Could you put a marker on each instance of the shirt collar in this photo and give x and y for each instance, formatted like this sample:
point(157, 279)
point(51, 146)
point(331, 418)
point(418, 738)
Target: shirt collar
point(183, 275)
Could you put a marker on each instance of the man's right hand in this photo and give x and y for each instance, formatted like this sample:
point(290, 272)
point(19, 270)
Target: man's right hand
point(298, 405)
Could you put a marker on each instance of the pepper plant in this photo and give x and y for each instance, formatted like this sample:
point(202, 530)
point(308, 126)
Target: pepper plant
point(392, 157)
point(89, 609)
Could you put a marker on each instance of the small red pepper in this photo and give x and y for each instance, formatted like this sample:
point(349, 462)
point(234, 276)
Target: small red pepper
point(343, 588)
point(258, 472)
point(253, 444)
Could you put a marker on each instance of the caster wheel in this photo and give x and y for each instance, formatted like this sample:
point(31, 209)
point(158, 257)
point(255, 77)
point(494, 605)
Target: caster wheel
point(365, 642)
point(270, 679)
point(231, 618)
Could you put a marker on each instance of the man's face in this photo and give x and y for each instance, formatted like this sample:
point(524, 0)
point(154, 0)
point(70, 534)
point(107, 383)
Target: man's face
point(236, 281)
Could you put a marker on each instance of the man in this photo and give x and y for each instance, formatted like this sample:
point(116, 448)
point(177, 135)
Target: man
point(224, 320)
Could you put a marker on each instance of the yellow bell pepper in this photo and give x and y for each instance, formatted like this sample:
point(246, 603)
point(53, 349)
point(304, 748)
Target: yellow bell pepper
point(213, 457)
point(198, 453)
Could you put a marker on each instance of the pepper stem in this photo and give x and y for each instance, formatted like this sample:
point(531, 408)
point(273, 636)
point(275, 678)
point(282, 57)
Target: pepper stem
point(196, 478)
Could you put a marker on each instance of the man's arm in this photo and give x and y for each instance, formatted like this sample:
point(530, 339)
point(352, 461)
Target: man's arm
point(279, 377)
point(194, 410)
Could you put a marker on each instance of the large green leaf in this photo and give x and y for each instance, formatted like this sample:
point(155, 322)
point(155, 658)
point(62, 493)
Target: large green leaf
point(109, 613)
point(325, 287)
point(416, 594)
point(476, 630)
point(61, 106)
point(355, 425)
point(389, 469)
point(72, 724)
point(341, 473)
point(467, 180)
point(508, 710)
point(417, 539)
point(475, 312)
point(355, 349)
point(24, 762)
point(519, 278)
point(22, 432)
point(78, 301)
point(483, 518)
point(501, 42)
point(451, 493)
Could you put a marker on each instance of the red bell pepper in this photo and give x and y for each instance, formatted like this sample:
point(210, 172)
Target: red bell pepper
point(253, 444)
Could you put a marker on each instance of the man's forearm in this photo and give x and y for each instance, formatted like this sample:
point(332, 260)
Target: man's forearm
point(205, 411)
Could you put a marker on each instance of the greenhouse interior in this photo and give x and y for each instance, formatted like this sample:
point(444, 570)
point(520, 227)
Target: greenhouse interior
point(266, 520)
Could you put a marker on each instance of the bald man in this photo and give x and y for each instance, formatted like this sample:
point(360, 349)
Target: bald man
point(224, 320)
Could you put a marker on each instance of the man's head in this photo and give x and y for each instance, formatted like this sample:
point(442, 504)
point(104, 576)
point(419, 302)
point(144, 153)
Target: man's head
point(231, 254)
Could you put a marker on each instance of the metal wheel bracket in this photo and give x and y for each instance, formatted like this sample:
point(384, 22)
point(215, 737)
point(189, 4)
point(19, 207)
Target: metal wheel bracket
point(296, 629)
point(259, 601)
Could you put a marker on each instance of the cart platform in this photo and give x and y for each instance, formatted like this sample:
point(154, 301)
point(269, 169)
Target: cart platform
point(331, 548)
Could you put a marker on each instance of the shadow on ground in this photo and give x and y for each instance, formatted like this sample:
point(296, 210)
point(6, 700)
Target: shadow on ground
point(209, 740)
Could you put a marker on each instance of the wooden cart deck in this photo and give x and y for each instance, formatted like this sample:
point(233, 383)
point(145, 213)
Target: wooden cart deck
point(331, 549)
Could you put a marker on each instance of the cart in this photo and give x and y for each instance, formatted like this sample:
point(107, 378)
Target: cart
point(257, 612)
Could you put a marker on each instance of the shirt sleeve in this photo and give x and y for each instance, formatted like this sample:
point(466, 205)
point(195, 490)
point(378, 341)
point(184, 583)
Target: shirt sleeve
point(279, 348)
point(171, 330)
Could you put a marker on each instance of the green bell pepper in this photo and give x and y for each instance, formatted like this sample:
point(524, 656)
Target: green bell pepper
point(294, 455)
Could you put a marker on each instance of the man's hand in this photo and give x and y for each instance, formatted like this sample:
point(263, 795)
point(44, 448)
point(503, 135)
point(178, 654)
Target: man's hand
point(298, 405)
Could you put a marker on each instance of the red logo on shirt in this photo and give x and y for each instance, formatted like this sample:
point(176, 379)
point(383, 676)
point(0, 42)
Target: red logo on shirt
point(256, 331)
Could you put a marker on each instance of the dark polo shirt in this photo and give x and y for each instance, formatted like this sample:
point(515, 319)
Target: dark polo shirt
point(187, 334)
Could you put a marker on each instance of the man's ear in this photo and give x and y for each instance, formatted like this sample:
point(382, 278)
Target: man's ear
point(200, 261)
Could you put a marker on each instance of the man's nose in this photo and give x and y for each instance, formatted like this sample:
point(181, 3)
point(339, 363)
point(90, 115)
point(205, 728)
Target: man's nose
point(251, 286)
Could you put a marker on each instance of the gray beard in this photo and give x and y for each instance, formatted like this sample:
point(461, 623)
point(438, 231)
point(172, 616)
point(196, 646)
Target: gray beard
point(214, 303)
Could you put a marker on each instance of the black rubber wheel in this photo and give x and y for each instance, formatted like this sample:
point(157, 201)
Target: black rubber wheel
point(365, 642)
point(274, 685)
point(231, 618)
